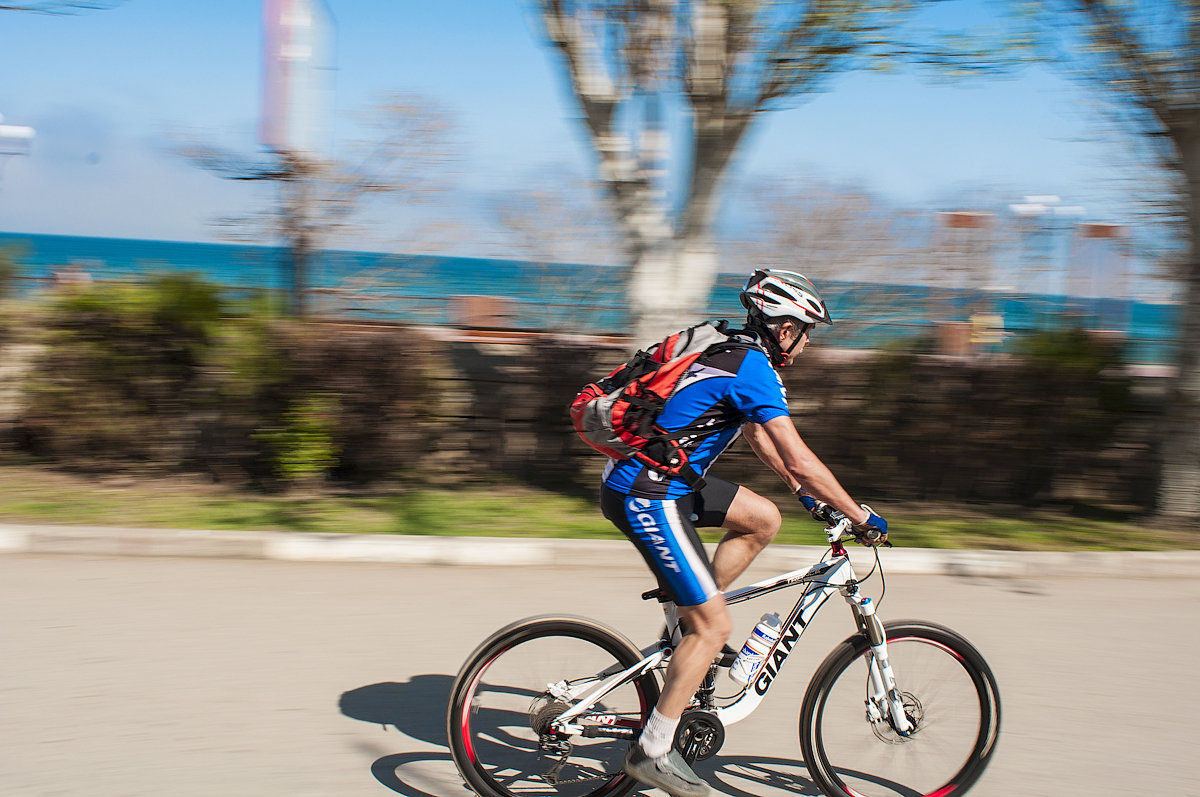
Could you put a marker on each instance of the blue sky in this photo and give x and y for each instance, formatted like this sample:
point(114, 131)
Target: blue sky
point(104, 90)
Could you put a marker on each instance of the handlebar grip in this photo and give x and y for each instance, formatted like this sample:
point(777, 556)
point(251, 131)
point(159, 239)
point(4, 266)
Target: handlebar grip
point(824, 513)
point(870, 536)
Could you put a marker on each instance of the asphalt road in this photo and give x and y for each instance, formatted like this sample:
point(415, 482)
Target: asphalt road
point(145, 676)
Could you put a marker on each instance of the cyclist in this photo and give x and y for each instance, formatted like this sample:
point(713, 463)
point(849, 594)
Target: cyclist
point(741, 392)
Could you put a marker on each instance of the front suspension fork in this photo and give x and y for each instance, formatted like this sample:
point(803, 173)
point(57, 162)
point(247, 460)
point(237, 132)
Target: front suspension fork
point(883, 698)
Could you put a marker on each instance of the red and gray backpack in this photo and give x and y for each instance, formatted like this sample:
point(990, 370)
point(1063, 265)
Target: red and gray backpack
point(618, 415)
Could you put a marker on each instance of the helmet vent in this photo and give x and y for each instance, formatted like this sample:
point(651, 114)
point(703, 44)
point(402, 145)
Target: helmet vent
point(778, 291)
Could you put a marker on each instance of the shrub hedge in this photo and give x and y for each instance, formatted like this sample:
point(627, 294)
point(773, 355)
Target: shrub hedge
point(166, 377)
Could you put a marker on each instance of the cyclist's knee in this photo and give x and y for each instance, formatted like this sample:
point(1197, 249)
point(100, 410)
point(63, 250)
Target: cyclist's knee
point(710, 621)
point(752, 514)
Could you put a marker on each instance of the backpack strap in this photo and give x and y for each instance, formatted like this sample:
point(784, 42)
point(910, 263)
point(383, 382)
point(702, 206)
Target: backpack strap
point(659, 454)
point(667, 443)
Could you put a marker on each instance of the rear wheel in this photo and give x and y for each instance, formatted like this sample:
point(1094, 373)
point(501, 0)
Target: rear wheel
point(949, 695)
point(512, 688)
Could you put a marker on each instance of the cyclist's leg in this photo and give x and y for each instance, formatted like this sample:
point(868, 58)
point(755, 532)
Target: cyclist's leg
point(664, 534)
point(750, 521)
point(708, 627)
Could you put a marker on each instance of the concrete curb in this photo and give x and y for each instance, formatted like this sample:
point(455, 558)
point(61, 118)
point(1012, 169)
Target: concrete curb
point(505, 552)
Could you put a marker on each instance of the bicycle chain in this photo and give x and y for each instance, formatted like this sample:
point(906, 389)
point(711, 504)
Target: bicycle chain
point(551, 776)
point(557, 782)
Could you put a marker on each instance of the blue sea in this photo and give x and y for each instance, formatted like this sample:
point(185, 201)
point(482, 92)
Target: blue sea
point(421, 288)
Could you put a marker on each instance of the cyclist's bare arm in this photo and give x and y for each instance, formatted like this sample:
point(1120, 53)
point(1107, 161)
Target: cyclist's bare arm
point(780, 447)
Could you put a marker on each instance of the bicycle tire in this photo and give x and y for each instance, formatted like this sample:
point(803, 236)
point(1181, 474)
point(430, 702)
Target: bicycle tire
point(500, 745)
point(948, 689)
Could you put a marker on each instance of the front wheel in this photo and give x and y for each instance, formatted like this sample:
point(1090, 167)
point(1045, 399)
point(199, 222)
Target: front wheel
point(949, 695)
point(504, 702)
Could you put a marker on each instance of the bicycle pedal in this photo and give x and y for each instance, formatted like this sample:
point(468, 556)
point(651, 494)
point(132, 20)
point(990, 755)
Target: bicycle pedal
point(726, 657)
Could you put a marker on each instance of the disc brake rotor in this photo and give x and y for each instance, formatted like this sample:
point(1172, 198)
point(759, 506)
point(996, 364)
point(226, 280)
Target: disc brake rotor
point(913, 711)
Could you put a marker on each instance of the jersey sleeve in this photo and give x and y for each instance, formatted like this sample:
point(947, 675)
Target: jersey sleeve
point(757, 390)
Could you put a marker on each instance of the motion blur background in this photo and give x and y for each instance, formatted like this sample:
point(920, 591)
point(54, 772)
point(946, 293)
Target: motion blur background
point(311, 243)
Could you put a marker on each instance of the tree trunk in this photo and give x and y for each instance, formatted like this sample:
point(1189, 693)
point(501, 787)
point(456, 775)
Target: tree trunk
point(297, 234)
point(1179, 487)
point(670, 286)
point(673, 278)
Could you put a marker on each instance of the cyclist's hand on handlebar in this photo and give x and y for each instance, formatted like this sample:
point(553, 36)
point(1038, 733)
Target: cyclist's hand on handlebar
point(820, 511)
point(872, 531)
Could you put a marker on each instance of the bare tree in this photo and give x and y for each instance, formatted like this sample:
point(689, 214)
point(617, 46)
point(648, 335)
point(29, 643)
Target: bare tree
point(830, 231)
point(552, 221)
point(722, 63)
point(59, 6)
point(931, 262)
point(405, 156)
point(1145, 57)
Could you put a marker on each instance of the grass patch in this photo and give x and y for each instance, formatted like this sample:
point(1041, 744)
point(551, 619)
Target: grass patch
point(37, 495)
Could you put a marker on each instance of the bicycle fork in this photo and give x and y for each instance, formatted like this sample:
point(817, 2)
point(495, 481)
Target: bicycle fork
point(884, 700)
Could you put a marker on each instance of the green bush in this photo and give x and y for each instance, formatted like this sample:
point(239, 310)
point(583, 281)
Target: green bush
point(303, 448)
point(163, 376)
point(156, 376)
point(1058, 419)
point(122, 368)
point(386, 392)
point(9, 271)
point(1071, 349)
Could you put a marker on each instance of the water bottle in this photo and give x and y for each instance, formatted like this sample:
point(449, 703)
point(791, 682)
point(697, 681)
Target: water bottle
point(754, 652)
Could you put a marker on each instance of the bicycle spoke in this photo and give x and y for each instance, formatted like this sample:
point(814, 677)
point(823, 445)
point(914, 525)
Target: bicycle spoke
point(948, 701)
point(507, 732)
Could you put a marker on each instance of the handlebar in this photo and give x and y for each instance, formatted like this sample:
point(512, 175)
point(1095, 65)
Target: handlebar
point(838, 525)
point(842, 527)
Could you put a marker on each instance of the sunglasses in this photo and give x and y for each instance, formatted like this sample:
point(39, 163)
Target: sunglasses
point(803, 330)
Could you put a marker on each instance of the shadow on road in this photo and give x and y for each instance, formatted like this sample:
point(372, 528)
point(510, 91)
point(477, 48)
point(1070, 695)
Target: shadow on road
point(752, 776)
point(416, 707)
point(421, 774)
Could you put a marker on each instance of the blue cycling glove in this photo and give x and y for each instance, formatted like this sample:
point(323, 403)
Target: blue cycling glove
point(821, 512)
point(874, 529)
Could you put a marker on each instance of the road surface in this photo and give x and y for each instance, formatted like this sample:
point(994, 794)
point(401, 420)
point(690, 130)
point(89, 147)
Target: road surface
point(140, 676)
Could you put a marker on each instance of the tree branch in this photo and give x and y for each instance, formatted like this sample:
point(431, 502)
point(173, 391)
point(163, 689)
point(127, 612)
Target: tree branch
point(1143, 80)
point(599, 96)
point(60, 7)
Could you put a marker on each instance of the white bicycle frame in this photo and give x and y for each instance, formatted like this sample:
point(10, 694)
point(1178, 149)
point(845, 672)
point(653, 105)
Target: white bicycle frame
point(823, 579)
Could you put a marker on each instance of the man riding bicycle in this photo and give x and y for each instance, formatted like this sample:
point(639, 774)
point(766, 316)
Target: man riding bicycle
point(740, 392)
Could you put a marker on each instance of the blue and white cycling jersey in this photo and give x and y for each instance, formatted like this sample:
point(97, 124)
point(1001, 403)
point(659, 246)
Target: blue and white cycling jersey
point(717, 395)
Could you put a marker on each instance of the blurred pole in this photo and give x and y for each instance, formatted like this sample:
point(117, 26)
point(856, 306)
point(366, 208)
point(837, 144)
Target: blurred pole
point(1102, 269)
point(1043, 222)
point(295, 124)
point(966, 265)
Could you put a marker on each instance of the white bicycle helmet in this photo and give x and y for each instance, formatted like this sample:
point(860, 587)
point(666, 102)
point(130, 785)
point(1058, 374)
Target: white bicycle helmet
point(774, 293)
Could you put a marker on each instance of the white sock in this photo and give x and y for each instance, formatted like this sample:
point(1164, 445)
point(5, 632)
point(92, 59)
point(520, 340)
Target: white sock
point(659, 735)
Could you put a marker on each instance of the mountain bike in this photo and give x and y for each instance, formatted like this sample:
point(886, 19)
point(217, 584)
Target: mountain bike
point(549, 705)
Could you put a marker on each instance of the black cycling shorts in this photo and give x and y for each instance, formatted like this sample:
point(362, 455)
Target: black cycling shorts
point(664, 532)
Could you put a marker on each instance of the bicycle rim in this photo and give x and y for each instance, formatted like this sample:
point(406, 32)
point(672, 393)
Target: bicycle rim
point(502, 707)
point(948, 692)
